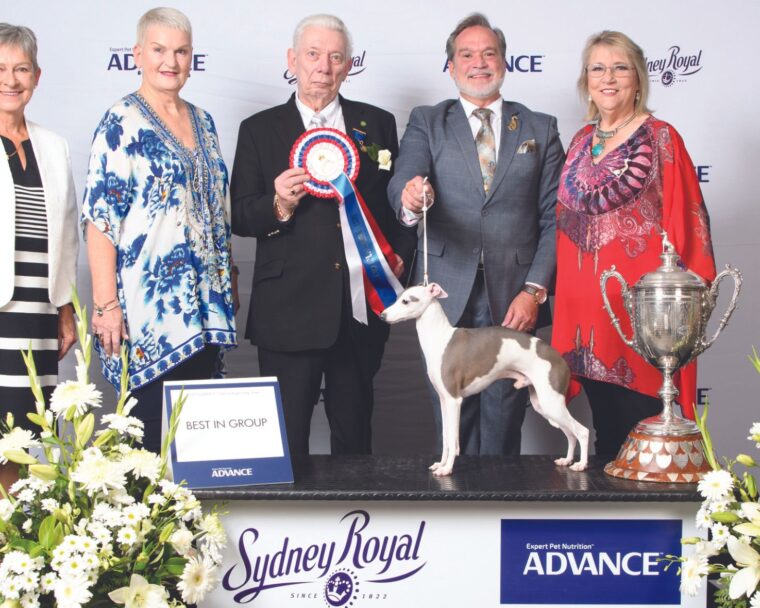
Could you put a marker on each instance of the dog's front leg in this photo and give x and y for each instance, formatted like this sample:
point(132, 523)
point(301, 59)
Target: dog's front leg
point(450, 408)
point(444, 435)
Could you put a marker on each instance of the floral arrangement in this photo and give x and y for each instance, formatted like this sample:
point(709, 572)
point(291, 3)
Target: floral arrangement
point(730, 513)
point(95, 522)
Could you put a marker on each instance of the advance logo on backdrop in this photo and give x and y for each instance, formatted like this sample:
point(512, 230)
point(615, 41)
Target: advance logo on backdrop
point(676, 66)
point(587, 561)
point(357, 67)
point(358, 565)
point(524, 64)
point(122, 59)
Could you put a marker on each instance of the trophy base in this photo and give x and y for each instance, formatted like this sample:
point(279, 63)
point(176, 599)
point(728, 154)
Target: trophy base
point(661, 450)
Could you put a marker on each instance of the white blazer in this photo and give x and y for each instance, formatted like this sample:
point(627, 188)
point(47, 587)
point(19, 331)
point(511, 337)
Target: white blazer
point(52, 154)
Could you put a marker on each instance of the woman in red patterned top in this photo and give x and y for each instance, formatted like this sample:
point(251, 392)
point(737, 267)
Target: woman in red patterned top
point(626, 179)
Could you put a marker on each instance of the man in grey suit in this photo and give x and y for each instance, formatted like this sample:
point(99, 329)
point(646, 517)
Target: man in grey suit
point(492, 169)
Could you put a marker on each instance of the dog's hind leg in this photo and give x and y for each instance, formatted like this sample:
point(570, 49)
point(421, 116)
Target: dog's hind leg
point(450, 408)
point(552, 406)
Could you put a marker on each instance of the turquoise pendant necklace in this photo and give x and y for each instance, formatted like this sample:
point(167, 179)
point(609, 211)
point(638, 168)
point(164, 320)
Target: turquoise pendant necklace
point(603, 136)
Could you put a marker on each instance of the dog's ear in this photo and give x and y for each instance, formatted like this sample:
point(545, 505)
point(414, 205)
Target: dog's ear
point(437, 291)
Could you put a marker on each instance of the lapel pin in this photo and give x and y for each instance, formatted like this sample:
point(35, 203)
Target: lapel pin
point(512, 123)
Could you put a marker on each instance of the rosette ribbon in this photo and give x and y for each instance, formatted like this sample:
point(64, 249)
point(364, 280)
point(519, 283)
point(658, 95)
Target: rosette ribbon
point(332, 162)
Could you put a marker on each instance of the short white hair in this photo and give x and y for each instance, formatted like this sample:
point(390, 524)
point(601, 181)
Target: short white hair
point(330, 22)
point(168, 17)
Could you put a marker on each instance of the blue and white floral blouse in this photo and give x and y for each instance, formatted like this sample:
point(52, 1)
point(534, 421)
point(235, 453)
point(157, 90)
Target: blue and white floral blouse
point(165, 209)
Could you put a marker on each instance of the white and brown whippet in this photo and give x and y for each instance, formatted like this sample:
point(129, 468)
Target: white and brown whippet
point(462, 362)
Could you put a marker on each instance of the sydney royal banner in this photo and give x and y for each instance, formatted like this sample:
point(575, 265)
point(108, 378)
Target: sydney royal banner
point(397, 554)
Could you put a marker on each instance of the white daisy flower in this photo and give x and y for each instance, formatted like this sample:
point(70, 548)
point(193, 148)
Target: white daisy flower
point(72, 592)
point(47, 582)
point(143, 463)
point(11, 588)
point(98, 474)
point(754, 434)
point(715, 485)
point(72, 393)
point(49, 504)
point(30, 600)
point(126, 536)
point(692, 571)
point(720, 534)
point(198, 578)
point(27, 526)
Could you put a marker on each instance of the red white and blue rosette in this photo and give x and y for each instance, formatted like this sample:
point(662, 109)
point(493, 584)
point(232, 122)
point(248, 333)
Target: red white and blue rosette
point(325, 154)
point(331, 160)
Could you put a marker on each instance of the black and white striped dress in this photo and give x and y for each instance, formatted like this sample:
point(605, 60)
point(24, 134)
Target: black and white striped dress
point(29, 317)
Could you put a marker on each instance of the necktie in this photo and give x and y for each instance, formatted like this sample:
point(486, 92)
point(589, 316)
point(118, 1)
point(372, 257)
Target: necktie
point(486, 145)
point(317, 121)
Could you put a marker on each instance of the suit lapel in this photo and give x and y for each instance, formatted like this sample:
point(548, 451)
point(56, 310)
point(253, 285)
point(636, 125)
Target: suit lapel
point(460, 126)
point(507, 145)
point(352, 120)
point(290, 126)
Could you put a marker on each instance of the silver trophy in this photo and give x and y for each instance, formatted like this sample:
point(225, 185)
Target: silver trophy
point(669, 310)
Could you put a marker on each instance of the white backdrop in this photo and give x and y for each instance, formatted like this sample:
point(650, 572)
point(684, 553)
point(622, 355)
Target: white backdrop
point(399, 48)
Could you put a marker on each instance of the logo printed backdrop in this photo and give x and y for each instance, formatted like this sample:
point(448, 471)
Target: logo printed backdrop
point(699, 76)
point(404, 554)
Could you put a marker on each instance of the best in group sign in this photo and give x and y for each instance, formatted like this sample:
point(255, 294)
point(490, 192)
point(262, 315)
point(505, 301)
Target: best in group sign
point(230, 432)
point(589, 561)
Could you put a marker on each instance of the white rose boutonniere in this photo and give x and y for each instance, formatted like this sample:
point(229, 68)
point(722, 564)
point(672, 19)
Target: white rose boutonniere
point(384, 161)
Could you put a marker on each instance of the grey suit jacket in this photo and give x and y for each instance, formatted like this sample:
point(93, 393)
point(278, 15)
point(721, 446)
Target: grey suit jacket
point(513, 225)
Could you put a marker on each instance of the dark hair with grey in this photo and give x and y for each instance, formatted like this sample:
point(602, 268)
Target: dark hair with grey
point(21, 37)
point(168, 17)
point(616, 40)
point(476, 19)
point(330, 22)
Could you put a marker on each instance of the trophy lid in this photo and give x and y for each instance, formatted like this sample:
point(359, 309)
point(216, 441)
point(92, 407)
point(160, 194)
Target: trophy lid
point(671, 274)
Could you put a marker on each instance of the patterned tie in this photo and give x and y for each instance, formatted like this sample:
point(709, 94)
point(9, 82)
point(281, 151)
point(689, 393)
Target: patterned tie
point(317, 121)
point(486, 144)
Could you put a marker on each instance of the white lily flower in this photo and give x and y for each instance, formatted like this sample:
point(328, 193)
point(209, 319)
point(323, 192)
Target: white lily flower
point(745, 581)
point(140, 594)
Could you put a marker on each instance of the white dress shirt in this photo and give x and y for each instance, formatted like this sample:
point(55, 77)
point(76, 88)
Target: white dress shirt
point(332, 113)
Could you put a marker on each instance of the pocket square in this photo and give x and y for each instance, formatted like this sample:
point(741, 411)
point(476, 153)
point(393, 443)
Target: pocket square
point(527, 147)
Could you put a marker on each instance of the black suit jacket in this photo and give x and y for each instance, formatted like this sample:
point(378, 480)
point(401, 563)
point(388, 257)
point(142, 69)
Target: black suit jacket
point(300, 280)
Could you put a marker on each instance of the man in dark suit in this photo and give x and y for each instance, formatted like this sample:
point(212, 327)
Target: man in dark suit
point(308, 316)
point(493, 168)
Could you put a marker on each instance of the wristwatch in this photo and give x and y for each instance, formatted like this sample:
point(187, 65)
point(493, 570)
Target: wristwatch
point(538, 293)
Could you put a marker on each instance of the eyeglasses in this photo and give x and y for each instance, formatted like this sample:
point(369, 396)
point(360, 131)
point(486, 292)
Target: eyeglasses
point(619, 70)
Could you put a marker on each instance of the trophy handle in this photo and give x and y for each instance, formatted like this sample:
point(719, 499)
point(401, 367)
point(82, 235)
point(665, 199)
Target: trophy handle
point(712, 298)
point(609, 274)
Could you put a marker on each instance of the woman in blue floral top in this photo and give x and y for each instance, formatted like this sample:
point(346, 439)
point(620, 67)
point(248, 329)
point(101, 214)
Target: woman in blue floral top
point(155, 217)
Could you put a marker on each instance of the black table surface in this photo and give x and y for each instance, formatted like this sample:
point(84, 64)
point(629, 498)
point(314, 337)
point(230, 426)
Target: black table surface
point(523, 478)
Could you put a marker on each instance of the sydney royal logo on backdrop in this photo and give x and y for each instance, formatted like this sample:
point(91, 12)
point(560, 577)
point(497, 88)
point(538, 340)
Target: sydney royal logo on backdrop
point(354, 563)
point(677, 65)
point(121, 59)
point(358, 65)
point(585, 561)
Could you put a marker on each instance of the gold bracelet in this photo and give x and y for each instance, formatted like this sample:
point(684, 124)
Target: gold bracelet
point(111, 305)
point(279, 212)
